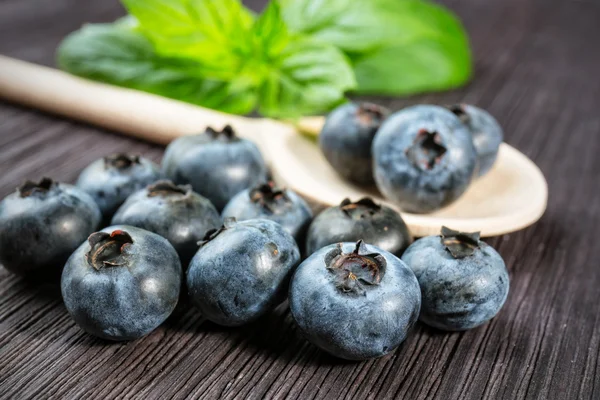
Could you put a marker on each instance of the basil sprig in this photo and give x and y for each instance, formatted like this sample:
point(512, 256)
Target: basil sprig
point(297, 57)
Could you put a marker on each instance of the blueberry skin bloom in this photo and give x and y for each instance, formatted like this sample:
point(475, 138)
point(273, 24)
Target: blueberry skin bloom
point(266, 201)
point(424, 158)
point(346, 139)
point(354, 301)
point(486, 132)
point(464, 281)
point(122, 283)
point(218, 165)
point(41, 224)
point(242, 271)
point(174, 212)
point(110, 180)
point(364, 219)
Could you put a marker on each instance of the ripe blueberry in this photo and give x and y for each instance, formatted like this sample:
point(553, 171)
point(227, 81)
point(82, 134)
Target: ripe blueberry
point(242, 271)
point(110, 180)
point(41, 224)
point(464, 281)
point(486, 132)
point(346, 139)
point(354, 301)
point(423, 158)
point(269, 202)
point(364, 219)
point(174, 212)
point(218, 165)
point(122, 283)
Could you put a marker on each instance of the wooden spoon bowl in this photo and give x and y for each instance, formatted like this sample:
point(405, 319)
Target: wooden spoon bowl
point(510, 197)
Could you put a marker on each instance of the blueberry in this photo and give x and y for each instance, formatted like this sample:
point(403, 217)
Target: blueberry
point(110, 180)
point(242, 271)
point(354, 301)
point(218, 165)
point(122, 283)
point(349, 222)
point(174, 212)
point(464, 281)
point(269, 202)
point(42, 224)
point(346, 139)
point(486, 132)
point(423, 158)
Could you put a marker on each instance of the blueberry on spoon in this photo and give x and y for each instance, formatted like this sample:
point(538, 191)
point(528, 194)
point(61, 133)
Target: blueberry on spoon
point(424, 158)
point(346, 139)
point(486, 132)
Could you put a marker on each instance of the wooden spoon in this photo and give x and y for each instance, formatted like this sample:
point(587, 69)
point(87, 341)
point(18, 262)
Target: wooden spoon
point(511, 196)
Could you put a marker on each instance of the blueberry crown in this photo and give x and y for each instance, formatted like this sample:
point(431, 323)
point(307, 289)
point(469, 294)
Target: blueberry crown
point(460, 112)
point(227, 134)
point(427, 150)
point(460, 244)
point(121, 161)
point(371, 115)
point(30, 188)
point(269, 197)
point(213, 233)
point(164, 188)
point(354, 273)
point(108, 249)
point(363, 208)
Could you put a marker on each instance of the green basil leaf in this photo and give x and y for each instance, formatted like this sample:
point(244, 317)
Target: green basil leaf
point(299, 76)
point(308, 77)
point(436, 56)
point(270, 35)
point(214, 32)
point(415, 67)
point(347, 24)
point(397, 47)
point(118, 55)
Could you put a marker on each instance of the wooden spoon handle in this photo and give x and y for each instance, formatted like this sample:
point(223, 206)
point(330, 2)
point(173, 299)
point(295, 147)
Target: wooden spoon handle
point(136, 113)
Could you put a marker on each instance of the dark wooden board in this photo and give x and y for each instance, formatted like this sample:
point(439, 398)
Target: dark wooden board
point(537, 66)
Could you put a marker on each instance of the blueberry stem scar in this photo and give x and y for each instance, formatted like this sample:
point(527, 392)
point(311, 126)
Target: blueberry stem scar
point(362, 208)
point(226, 134)
point(354, 272)
point(460, 244)
point(108, 249)
point(370, 114)
point(459, 111)
point(267, 196)
point(29, 187)
point(427, 150)
point(121, 161)
point(166, 188)
point(213, 233)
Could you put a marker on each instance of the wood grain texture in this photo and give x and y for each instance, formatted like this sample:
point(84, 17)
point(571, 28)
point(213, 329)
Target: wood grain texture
point(536, 70)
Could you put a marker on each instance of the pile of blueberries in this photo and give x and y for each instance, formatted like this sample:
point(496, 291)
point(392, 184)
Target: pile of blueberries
point(355, 290)
point(422, 158)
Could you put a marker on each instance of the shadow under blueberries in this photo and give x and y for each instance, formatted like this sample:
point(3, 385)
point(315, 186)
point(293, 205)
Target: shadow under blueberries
point(277, 336)
point(46, 286)
point(273, 334)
